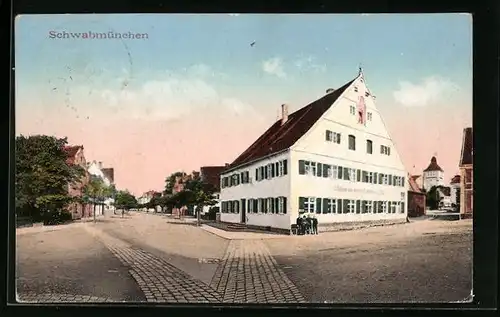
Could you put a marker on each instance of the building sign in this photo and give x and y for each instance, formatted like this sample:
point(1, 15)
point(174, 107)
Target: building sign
point(358, 190)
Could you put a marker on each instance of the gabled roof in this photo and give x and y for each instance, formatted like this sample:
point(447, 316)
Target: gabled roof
point(71, 151)
point(433, 166)
point(413, 183)
point(446, 191)
point(211, 175)
point(467, 147)
point(109, 173)
point(455, 179)
point(281, 137)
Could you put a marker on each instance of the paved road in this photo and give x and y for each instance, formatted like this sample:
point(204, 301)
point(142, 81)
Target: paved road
point(70, 265)
point(425, 267)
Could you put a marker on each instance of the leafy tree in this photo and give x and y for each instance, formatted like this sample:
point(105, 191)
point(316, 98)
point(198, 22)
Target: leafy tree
point(96, 191)
point(201, 194)
point(154, 202)
point(170, 182)
point(125, 200)
point(432, 199)
point(43, 177)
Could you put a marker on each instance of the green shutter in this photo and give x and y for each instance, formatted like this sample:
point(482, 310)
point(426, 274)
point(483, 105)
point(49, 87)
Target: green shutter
point(276, 203)
point(302, 168)
point(346, 173)
point(380, 176)
point(302, 201)
point(325, 170)
point(358, 206)
point(257, 174)
point(274, 172)
point(390, 179)
point(364, 176)
point(363, 207)
point(358, 175)
point(339, 174)
point(338, 138)
point(402, 207)
point(345, 203)
point(285, 167)
point(339, 206)
point(265, 172)
point(318, 205)
point(319, 170)
point(402, 182)
point(255, 205)
point(243, 205)
point(328, 135)
point(326, 206)
point(375, 178)
point(284, 205)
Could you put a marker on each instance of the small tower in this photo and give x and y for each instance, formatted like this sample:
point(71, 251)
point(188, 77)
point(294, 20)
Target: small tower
point(433, 175)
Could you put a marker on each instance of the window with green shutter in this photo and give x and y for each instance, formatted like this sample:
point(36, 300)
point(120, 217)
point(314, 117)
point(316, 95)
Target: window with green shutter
point(380, 178)
point(319, 170)
point(340, 172)
point(365, 176)
point(328, 135)
point(358, 206)
point(390, 179)
point(302, 167)
point(358, 175)
point(345, 206)
point(285, 167)
point(339, 206)
point(326, 206)
point(346, 173)
point(302, 202)
point(363, 207)
point(318, 205)
point(402, 182)
point(325, 170)
point(375, 178)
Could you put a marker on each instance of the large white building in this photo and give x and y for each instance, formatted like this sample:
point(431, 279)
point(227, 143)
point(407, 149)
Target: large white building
point(333, 157)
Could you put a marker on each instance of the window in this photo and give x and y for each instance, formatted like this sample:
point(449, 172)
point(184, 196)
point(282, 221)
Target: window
point(369, 116)
point(385, 179)
point(351, 206)
point(369, 146)
point(334, 173)
point(282, 205)
point(329, 135)
point(384, 206)
point(385, 150)
point(352, 142)
point(259, 205)
point(269, 205)
point(352, 110)
point(313, 169)
point(250, 206)
point(351, 174)
point(369, 206)
point(307, 167)
point(369, 177)
point(402, 207)
point(269, 171)
point(309, 204)
point(393, 207)
point(367, 94)
point(280, 168)
point(355, 89)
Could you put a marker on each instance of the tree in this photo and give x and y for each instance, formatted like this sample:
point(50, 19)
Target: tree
point(155, 201)
point(95, 192)
point(43, 177)
point(125, 200)
point(170, 182)
point(432, 199)
point(201, 194)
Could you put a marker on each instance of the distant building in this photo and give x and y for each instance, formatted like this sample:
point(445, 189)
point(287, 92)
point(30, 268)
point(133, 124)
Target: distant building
point(211, 175)
point(75, 156)
point(418, 179)
point(107, 176)
point(466, 174)
point(433, 175)
point(455, 190)
point(416, 198)
point(333, 157)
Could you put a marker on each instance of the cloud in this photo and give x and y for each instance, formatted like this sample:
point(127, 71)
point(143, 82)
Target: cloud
point(234, 14)
point(430, 90)
point(169, 97)
point(309, 63)
point(274, 66)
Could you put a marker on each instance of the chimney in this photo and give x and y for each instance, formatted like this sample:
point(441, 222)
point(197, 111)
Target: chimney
point(100, 165)
point(330, 90)
point(284, 113)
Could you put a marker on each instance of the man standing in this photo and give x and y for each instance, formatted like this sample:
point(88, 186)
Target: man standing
point(299, 225)
point(315, 224)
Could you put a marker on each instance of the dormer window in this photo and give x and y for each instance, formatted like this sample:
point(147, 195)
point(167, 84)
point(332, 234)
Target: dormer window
point(367, 94)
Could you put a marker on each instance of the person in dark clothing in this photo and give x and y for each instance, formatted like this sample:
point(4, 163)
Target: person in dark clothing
point(299, 225)
point(315, 225)
point(307, 224)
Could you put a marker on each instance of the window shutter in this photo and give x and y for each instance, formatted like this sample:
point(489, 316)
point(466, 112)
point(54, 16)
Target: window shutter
point(302, 168)
point(270, 202)
point(274, 172)
point(285, 167)
point(319, 169)
point(328, 135)
point(358, 175)
point(318, 205)
point(255, 203)
point(339, 169)
point(264, 168)
point(364, 176)
point(390, 179)
point(243, 205)
point(388, 151)
point(237, 207)
point(403, 182)
point(394, 180)
point(375, 178)
point(326, 206)
point(346, 173)
point(276, 168)
point(345, 205)
point(358, 205)
point(284, 205)
point(363, 206)
point(380, 176)
point(402, 207)
point(276, 202)
point(338, 138)
point(257, 174)
point(339, 206)
point(302, 201)
point(223, 206)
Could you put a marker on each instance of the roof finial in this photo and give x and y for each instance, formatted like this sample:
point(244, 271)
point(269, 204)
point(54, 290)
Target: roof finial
point(360, 69)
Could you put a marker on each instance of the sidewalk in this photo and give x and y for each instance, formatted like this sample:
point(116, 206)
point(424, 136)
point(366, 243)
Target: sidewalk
point(234, 235)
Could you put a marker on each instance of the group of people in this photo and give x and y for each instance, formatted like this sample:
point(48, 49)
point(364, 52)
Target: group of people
point(307, 224)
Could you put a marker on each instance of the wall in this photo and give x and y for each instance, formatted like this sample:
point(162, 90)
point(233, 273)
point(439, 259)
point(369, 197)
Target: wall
point(340, 120)
point(416, 204)
point(433, 178)
point(313, 186)
point(275, 187)
point(454, 192)
point(466, 191)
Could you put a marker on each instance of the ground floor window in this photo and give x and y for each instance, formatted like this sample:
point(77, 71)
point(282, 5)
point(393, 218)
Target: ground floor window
point(351, 206)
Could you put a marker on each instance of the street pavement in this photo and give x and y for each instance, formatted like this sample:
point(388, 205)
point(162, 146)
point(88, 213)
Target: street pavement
point(154, 258)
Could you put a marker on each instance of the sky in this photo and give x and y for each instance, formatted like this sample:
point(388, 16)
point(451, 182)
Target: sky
point(190, 90)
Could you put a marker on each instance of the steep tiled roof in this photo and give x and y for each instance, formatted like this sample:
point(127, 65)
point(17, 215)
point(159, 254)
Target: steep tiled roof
point(71, 151)
point(211, 175)
point(413, 183)
point(467, 147)
point(445, 190)
point(455, 179)
point(433, 166)
point(281, 137)
point(109, 173)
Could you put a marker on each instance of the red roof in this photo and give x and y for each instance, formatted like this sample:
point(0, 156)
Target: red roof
point(467, 147)
point(413, 183)
point(71, 151)
point(455, 179)
point(281, 137)
point(211, 175)
point(109, 173)
point(433, 166)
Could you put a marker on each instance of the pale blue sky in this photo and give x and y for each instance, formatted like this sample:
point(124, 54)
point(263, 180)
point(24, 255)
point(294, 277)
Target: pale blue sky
point(391, 48)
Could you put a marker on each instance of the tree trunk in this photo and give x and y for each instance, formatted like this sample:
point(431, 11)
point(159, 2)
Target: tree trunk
point(198, 215)
point(94, 209)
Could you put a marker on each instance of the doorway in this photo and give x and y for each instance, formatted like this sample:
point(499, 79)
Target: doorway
point(243, 211)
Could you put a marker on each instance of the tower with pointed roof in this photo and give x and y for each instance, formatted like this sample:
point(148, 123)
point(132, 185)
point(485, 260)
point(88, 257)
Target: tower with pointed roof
point(433, 175)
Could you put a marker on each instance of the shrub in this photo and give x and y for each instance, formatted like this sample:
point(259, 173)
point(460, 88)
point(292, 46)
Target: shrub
point(56, 217)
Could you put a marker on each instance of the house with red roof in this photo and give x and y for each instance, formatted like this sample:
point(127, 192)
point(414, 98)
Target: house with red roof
point(76, 156)
point(466, 174)
point(333, 157)
point(416, 198)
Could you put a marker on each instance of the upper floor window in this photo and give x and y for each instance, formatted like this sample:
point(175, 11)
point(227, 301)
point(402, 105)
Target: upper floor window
point(352, 110)
point(385, 150)
point(333, 136)
point(369, 116)
point(355, 89)
point(369, 146)
point(352, 142)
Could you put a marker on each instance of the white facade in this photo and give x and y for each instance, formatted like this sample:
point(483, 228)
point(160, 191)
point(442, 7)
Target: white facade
point(302, 190)
point(433, 178)
point(95, 169)
point(207, 208)
point(455, 193)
